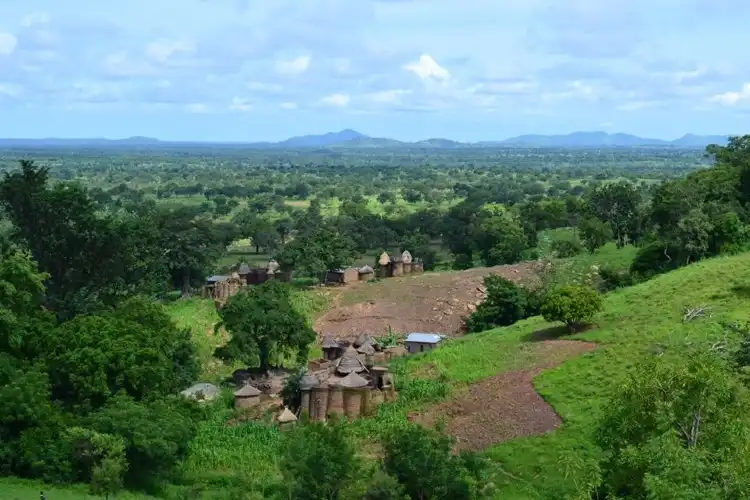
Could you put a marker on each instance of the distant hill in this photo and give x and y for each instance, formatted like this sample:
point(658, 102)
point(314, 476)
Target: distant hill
point(349, 138)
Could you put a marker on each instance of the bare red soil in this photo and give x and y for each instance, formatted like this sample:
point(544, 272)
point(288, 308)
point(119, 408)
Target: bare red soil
point(432, 302)
point(505, 406)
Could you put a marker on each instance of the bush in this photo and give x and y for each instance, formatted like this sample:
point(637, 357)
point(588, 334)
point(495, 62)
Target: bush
point(574, 305)
point(566, 248)
point(505, 304)
point(612, 279)
point(655, 258)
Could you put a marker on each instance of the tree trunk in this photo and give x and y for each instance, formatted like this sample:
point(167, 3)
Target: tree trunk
point(186, 282)
point(264, 353)
point(257, 249)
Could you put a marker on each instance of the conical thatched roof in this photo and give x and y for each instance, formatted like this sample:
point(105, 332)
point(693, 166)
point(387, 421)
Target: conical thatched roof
point(384, 259)
point(366, 270)
point(406, 257)
point(273, 266)
point(353, 381)
point(349, 362)
point(362, 340)
point(308, 382)
point(329, 343)
point(286, 416)
point(366, 348)
point(247, 391)
point(244, 268)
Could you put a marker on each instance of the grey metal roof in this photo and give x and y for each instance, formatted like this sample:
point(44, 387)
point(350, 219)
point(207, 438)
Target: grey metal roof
point(217, 277)
point(425, 338)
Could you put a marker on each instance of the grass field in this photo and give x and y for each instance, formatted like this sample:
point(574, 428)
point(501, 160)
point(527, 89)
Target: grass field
point(18, 489)
point(633, 323)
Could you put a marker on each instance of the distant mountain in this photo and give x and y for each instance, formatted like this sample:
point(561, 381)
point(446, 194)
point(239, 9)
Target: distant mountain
point(349, 138)
point(322, 140)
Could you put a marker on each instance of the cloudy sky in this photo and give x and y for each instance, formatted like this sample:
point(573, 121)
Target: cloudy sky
point(240, 70)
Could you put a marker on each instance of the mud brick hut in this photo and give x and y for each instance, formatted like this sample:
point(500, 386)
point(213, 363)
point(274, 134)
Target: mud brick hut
point(384, 263)
point(331, 349)
point(342, 276)
point(406, 260)
point(286, 418)
point(366, 273)
point(221, 287)
point(420, 342)
point(247, 397)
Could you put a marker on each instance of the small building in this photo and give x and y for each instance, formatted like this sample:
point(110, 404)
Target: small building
point(350, 362)
point(342, 276)
point(201, 392)
point(286, 418)
point(406, 261)
point(331, 349)
point(420, 342)
point(247, 397)
point(366, 273)
point(363, 339)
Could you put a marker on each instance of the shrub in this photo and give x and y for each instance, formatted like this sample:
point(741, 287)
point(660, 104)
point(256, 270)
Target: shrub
point(505, 304)
point(612, 279)
point(655, 258)
point(574, 305)
point(566, 248)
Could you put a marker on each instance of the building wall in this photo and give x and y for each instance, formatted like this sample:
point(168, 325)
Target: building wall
point(414, 347)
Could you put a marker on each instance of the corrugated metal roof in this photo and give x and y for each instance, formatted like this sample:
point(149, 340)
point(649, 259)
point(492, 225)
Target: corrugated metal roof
point(424, 338)
point(217, 277)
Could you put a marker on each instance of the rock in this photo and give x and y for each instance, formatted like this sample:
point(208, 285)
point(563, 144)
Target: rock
point(471, 307)
point(448, 312)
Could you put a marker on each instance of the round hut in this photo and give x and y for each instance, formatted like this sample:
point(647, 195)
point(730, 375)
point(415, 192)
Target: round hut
point(384, 265)
point(247, 397)
point(306, 384)
point(331, 348)
point(319, 402)
point(335, 397)
point(349, 363)
point(363, 339)
point(366, 273)
point(366, 348)
point(406, 259)
point(286, 418)
point(354, 387)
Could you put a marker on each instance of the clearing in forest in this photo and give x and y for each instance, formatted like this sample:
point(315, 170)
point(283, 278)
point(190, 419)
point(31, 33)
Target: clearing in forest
point(431, 302)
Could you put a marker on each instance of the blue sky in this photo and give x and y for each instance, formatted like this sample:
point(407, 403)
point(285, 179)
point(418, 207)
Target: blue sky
point(244, 70)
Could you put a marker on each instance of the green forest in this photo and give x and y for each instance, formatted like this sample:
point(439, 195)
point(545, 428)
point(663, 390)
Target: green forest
point(643, 256)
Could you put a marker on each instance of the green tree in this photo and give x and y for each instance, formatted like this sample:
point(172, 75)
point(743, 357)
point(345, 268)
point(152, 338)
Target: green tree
point(319, 461)
point(618, 204)
point(595, 233)
point(677, 428)
point(505, 304)
point(264, 325)
point(499, 236)
point(316, 251)
point(573, 305)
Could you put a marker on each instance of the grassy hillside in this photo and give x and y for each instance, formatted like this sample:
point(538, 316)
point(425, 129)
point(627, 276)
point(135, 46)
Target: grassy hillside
point(635, 323)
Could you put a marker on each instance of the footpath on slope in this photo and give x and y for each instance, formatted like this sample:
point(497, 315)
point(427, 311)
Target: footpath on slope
point(431, 302)
point(504, 406)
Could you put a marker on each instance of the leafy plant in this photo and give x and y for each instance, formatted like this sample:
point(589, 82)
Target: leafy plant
point(574, 305)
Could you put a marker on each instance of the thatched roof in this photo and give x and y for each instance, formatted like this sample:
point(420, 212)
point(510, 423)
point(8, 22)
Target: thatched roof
point(363, 339)
point(353, 381)
point(329, 343)
point(366, 270)
point(308, 382)
point(202, 391)
point(384, 259)
point(286, 416)
point(244, 268)
point(366, 348)
point(350, 362)
point(406, 257)
point(248, 391)
point(273, 266)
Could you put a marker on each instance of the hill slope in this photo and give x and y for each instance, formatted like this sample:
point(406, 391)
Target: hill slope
point(635, 323)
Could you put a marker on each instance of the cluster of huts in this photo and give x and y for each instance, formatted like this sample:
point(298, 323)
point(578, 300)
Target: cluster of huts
point(388, 267)
point(221, 287)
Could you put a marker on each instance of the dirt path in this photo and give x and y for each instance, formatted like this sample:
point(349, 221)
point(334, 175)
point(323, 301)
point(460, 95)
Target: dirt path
point(505, 406)
point(432, 302)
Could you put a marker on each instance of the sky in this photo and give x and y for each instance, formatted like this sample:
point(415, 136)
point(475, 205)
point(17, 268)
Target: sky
point(469, 70)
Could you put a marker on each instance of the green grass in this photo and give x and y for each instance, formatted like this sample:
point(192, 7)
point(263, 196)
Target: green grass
point(632, 323)
point(19, 489)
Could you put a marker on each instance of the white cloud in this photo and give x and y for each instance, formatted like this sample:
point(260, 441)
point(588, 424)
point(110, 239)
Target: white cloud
point(240, 104)
point(293, 67)
point(288, 105)
point(162, 50)
point(427, 69)
point(734, 97)
point(337, 100)
point(197, 107)
point(10, 89)
point(36, 18)
point(273, 88)
point(387, 96)
point(8, 44)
